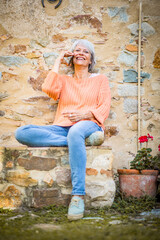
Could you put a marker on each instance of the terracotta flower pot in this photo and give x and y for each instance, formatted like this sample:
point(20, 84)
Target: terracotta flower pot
point(137, 184)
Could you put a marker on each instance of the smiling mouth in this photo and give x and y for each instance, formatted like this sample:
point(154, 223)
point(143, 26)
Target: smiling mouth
point(80, 58)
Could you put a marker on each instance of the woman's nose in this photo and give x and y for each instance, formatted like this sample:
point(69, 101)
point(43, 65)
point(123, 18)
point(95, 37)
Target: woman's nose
point(81, 53)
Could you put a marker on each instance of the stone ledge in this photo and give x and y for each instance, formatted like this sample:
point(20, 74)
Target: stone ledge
point(38, 177)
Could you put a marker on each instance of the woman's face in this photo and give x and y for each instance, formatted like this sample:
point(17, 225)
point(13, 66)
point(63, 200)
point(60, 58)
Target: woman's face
point(81, 56)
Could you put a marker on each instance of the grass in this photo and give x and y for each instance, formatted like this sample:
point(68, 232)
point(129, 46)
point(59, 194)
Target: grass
point(51, 222)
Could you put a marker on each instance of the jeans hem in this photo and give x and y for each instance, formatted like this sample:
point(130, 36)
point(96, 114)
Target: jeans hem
point(78, 193)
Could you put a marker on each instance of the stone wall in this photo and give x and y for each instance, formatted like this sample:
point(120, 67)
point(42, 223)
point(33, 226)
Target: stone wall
point(38, 177)
point(31, 37)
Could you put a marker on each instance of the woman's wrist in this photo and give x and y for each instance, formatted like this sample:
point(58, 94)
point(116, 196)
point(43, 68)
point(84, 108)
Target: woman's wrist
point(56, 65)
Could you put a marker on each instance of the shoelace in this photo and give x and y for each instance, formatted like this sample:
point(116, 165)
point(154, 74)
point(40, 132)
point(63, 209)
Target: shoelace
point(75, 202)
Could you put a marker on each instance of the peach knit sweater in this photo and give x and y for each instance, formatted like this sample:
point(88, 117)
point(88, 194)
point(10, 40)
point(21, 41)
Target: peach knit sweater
point(88, 94)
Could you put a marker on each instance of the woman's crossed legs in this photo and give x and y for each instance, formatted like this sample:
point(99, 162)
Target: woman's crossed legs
point(72, 136)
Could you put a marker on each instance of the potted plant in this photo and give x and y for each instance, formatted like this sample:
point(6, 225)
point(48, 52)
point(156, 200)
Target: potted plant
point(141, 178)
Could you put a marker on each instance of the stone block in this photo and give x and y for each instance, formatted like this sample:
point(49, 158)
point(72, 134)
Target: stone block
point(127, 58)
point(102, 193)
point(3, 96)
point(131, 76)
point(101, 158)
point(65, 160)
point(2, 113)
point(132, 123)
point(63, 176)
point(1, 167)
point(130, 105)
point(46, 197)
point(10, 198)
point(36, 99)
point(8, 76)
point(155, 86)
point(106, 172)
point(111, 131)
point(147, 29)
point(87, 19)
point(28, 110)
point(58, 38)
point(131, 48)
point(35, 45)
point(100, 42)
point(151, 109)
point(115, 68)
point(9, 164)
point(112, 115)
point(20, 48)
point(1, 154)
point(32, 55)
point(5, 37)
point(91, 171)
point(111, 85)
point(6, 136)
point(129, 90)
point(44, 41)
point(156, 61)
point(37, 83)
point(118, 14)
point(50, 58)
point(13, 60)
point(37, 163)
point(156, 117)
point(48, 179)
point(39, 176)
point(95, 139)
point(20, 178)
point(13, 116)
point(111, 75)
point(146, 115)
point(151, 127)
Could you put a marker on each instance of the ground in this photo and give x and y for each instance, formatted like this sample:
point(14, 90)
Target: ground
point(127, 219)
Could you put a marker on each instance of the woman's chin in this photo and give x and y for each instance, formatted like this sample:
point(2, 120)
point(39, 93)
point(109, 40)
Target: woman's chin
point(80, 64)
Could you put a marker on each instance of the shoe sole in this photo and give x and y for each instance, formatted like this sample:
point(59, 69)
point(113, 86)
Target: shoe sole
point(75, 217)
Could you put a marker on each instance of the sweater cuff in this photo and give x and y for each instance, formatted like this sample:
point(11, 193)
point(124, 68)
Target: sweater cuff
point(97, 116)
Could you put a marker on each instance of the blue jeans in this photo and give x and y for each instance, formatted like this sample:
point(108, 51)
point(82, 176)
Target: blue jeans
point(73, 137)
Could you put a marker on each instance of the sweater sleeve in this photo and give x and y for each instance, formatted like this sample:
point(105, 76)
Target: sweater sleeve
point(52, 85)
point(101, 112)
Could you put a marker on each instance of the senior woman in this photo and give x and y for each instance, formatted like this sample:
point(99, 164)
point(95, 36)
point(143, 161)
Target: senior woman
point(84, 104)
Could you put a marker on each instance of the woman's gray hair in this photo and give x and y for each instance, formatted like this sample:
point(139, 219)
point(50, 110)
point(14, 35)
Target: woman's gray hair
point(90, 47)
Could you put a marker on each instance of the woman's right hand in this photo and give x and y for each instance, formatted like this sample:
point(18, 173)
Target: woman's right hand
point(64, 54)
point(61, 59)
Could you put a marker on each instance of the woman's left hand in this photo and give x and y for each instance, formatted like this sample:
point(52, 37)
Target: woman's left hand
point(76, 116)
